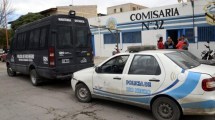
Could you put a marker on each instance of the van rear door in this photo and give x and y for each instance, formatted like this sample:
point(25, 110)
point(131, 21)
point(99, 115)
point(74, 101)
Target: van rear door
point(65, 59)
point(83, 47)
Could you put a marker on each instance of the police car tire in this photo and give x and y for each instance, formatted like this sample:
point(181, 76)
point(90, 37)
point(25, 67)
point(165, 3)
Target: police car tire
point(171, 110)
point(34, 78)
point(82, 93)
point(10, 72)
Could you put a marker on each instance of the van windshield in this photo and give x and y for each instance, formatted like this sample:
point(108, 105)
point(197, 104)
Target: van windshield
point(182, 60)
point(82, 37)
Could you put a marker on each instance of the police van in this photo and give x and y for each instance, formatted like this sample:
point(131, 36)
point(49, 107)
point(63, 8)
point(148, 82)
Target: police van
point(53, 47)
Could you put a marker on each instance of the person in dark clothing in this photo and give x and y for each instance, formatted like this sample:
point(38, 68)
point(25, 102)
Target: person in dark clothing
point(169, 44)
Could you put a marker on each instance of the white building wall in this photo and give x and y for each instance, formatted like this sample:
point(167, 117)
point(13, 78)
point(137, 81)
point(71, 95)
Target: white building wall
point(150, 37)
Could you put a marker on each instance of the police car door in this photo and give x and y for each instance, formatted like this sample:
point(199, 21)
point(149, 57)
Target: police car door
point(145, 76)
point(108, 81)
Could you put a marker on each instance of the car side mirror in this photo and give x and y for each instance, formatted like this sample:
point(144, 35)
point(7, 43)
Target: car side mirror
point(98, 70)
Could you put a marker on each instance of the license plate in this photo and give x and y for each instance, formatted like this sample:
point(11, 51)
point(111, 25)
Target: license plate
point(64, 61)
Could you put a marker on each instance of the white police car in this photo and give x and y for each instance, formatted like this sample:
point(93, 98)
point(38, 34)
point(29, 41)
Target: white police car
point(169, 83)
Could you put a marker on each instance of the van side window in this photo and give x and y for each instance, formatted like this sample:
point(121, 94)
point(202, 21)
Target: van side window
point(19, 41)
point(34, 39)
point(21, 38)
point(43, 36)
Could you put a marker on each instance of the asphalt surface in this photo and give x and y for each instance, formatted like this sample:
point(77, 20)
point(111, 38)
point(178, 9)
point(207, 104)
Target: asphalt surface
point(55, 100)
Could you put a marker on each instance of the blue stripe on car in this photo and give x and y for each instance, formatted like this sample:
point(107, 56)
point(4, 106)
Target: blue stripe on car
point(187, 87)
point(198, 105)
point(173, 84)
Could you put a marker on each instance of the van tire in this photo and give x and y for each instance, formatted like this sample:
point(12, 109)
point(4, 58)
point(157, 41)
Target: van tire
point(164, 108)
point(82, 93)
point(10, 72)
point(34, 78)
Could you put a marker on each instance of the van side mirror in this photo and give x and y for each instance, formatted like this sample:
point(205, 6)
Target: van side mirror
point(98, 70)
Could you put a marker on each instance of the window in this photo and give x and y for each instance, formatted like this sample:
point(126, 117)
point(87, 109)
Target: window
point(134, 8)
point(182, 60)
point(131, 37)
point(120, 9)
point(21, 41)
point(64, 37)
point(189, 35)
point(206, 33)
point(34, 38)
point(43, 37)
point(115, 65)
point(144, 65)
point(110, 38)
point(83, 37)
point(114, 10)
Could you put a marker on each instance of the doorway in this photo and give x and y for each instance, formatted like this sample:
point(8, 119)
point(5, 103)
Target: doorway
point(174, 34)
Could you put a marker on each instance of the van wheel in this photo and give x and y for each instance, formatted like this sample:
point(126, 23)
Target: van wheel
point(82, 93)
point(10, 72)
point(164, 108)
point(34, 77)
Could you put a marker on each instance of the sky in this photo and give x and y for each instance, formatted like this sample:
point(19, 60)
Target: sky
point(24, 6)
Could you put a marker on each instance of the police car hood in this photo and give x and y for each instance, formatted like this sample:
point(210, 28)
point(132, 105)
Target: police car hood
point(86, 70)
point(207, 69)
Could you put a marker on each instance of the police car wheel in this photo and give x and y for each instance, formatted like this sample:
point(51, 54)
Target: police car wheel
point(10, 72)
point(164, 108)
point(83, 93)
point(34, 77)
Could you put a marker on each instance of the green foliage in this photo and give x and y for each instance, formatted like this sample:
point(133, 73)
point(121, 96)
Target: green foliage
point(3, 42)
point(24, 19)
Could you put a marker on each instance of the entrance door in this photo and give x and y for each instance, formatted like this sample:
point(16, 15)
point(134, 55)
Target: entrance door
point(174, 35)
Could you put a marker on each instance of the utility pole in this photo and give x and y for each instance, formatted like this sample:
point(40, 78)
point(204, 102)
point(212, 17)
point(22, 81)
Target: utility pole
point(5, 15)
point(193, 5)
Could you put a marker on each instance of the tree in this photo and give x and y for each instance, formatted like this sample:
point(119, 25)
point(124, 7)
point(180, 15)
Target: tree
point(5, 11)
point(24, 19)
point(3, 41)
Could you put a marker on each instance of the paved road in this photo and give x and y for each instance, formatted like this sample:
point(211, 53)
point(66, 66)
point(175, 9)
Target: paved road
point(54, 100)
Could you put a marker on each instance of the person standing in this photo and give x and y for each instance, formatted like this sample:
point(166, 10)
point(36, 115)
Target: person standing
point(186, 42)
point(160, 44)
point(169, 44)
point(180, 44)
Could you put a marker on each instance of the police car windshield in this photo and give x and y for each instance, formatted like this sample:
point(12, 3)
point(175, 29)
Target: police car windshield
point(182, 60)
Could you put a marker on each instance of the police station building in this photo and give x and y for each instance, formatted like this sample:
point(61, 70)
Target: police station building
point(144, 27)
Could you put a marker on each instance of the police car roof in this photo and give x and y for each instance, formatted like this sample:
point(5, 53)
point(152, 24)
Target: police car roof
point(157, 51)
point(150, 52)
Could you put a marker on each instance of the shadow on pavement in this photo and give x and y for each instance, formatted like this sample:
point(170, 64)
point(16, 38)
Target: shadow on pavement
point(55, 83)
